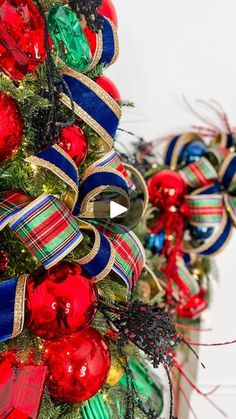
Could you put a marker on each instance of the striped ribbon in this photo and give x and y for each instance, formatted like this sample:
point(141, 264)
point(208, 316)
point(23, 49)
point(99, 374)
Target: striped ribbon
point(48, 229)
point(205, 209)
point(112, 161)
point(199, 173)
point(10, 204)
point(92, 104)
point(107, 45)
point(213, 206)
point(129, 252)
point(186, 277)
point(12, 304)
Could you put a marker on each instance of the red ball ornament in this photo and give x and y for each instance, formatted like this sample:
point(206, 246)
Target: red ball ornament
point(22, 31)
point(78, 366)
point(166, 189)
point(59, 301)
point(74, 142)
point(91, 38)
point(110, 87)
point(108, 10)
point(11, 127)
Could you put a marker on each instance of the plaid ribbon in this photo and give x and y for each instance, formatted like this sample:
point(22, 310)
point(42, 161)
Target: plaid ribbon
point(47, 229)
point(213, 206)
point(129, 252)
point(112, 161)
point(186, 277)
point(199, 173)
point(10, 204)
point(205, 209)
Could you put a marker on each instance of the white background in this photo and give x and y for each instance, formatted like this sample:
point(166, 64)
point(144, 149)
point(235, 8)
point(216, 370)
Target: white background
point(170, 48)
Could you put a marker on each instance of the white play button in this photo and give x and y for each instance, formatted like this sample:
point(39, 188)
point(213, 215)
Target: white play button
point(116, 209)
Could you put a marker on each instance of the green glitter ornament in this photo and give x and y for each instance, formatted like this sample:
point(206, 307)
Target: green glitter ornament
point(68, 38)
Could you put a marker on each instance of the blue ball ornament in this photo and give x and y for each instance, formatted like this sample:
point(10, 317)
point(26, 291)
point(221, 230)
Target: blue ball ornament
point(192, 152)
point(155, 242)
point(201, 233)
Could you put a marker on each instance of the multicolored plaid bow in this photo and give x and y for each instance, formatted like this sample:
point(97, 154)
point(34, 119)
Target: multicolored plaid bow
point(214, 206)
point(51, 230)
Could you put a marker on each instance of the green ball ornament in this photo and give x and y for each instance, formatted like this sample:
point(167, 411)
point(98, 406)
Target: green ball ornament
point(68, 38)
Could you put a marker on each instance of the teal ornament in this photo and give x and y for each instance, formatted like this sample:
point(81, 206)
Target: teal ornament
point(145, 386)
point(155, 242)
point(69, 40)
point(192, 152)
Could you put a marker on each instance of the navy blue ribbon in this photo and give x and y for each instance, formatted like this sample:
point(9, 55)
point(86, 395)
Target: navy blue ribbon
point(170, 149)
point(101, 260)
point(108, 41)
point(96, 180)
point(92, 103)
point(228, 140)
point(60, 160)
point(216, 246)
point(12, 293)
point(229, 173)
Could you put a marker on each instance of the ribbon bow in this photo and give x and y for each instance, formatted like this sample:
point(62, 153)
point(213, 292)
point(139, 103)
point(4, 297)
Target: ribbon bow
point(214, 206)
point(210, 204)
point(50, 230)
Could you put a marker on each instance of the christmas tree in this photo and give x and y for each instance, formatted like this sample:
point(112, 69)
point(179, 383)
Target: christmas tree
point(74, 324)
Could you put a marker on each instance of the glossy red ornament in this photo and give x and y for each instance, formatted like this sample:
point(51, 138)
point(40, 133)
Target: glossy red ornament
point(22, 31)
point(91, 38)
point(59, 301)
point(74, 142)
point(108, 10)
point(78, 365)
point(110, 87)
point(166, 189)
point(11, 127)
point(193, 308)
